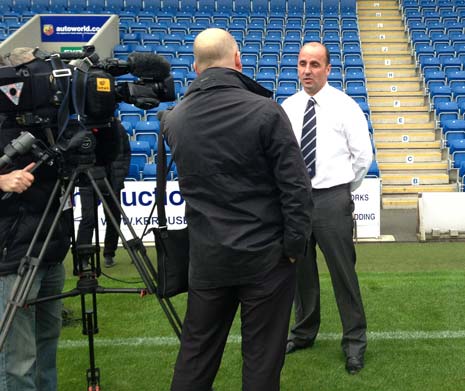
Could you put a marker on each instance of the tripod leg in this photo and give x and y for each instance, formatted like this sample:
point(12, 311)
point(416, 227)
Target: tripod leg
point(138, 254)
point(89, 324)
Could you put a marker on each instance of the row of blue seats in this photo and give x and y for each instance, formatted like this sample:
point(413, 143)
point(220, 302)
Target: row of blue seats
point(263, 28)
point(328, 7)
point(148, 172)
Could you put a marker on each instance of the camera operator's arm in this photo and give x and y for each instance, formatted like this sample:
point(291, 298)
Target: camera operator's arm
point(17, 181)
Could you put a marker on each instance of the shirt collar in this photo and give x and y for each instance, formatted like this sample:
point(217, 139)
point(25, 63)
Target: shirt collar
point(322, 96)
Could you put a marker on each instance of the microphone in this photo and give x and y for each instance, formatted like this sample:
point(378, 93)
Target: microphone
point(19, 146)
point(149, 65)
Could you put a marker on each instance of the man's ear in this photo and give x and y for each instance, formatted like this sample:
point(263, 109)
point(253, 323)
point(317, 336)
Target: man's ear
point(196, 68)
point(237, 61)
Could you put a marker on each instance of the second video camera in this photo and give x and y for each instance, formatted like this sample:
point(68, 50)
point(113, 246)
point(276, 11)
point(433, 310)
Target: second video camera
point(57, 85)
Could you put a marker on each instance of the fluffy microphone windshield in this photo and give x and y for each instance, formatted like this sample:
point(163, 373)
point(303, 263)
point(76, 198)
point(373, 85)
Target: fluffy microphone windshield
point(149, 65)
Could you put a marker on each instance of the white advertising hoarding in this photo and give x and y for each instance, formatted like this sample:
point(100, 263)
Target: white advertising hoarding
point(368, 208)
point(138, 198)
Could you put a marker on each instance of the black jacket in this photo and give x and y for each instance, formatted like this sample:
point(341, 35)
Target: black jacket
point(241, 172)
point(117, 170)
point(20, 213)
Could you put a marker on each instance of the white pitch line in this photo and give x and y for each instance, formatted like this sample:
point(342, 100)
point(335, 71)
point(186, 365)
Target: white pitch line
point(171, 341)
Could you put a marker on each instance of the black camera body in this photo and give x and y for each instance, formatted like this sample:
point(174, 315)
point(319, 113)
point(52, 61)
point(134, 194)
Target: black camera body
point(50, 89)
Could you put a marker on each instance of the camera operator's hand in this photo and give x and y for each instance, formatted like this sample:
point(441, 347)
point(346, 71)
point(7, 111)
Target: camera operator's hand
point(17, 181)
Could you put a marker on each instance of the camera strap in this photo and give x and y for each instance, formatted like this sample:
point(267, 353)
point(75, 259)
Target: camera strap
point(62, 76)
point(78, 92)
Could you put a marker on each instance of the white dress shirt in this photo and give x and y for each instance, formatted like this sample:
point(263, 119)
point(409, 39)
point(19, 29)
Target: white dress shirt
point(343, 147)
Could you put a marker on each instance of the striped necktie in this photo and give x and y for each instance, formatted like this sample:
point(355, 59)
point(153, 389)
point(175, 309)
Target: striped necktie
point(308, 140)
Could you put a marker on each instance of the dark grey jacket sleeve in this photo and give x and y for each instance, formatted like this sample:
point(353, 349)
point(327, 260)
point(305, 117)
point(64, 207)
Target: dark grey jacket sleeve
point(292, 181)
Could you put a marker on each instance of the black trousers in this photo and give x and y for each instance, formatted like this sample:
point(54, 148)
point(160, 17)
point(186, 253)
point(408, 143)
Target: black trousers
point(87, 224)
point(332, 228)
point(265, 313)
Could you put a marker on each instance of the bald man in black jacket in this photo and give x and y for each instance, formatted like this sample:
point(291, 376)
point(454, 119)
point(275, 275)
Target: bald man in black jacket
point(248, 205)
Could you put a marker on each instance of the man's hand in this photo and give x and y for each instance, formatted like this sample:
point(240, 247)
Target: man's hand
point(17, 181)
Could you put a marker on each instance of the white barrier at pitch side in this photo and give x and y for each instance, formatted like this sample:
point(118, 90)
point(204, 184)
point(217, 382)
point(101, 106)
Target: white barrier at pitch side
point(441, 215)
point(138, 199)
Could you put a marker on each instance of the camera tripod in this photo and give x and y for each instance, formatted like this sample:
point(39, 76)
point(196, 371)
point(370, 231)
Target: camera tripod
point(87, 283)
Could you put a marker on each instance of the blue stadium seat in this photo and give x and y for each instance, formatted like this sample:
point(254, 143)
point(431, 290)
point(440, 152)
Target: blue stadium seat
point(295, 7)
point(130, 113)
point(288, 61)
point(131, 39)
point(457, 152)
point(313, 8)
point(151, 38)
point(330, 8)
point(331, 37)
point(268, 62)
point(440, 93)
point(142, 126)
point(134, 6)
point(140, 153)
point(181, 63)
point(444, 49)
point(58, 6)
point(278, 8)
point(115, 7)
point(283, 92)
point(251, 48)
point(458, 92)
point(455, 77)
point(434, 77)
point(149, 172)
point(453, 125)
point(423, 49)
point(353, 61)
point(430, 62)
point(134, 174)
point(150, 139)
point(357, 92)
point(312, 36)
point(293, 36)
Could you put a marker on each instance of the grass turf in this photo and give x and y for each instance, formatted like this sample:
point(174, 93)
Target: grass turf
point(415, 305)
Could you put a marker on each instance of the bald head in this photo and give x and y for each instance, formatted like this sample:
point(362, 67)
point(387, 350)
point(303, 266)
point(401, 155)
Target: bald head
point(216, 48)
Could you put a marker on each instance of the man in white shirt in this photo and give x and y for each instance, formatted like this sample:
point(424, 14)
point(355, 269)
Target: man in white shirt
point(343, 156)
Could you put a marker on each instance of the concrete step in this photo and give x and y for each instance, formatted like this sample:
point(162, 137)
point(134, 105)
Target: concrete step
point(414, 166)
point(393, 80)
point(379, 5)
point(372, 24)
point(421, 141)
point(379, 14)
point(388, 60)
point(388, 102)
point(408, 155)
point(410, 189)
point(374, 31)
point(390, 73)
point(402, 128)
point(415, 178)
point(381, 39)
point(394, 93)
point(395, 86)
point(402, 118)
point(399, 202)
point(399, 110)
point(385, 47)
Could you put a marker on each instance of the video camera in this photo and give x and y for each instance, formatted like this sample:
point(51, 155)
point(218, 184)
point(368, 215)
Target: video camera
point(51, 88)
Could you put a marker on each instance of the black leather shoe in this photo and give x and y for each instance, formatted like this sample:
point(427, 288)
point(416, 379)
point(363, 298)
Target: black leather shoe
point(354, 364)
point(291, 346)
